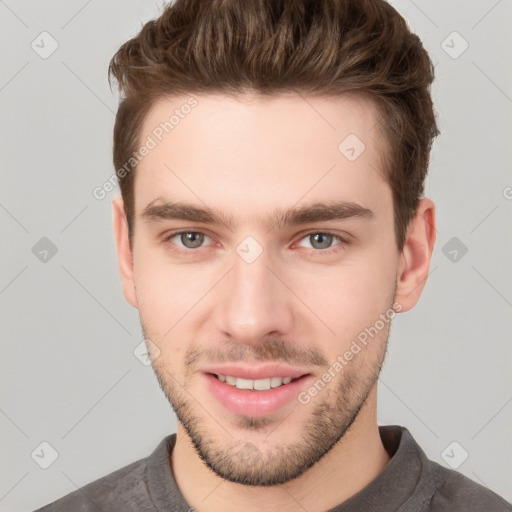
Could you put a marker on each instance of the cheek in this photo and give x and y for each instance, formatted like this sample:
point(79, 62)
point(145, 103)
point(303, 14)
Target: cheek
point(371, 289)
point(161, 291)
point(170, 298)
point(163, 304)
point(347, 298)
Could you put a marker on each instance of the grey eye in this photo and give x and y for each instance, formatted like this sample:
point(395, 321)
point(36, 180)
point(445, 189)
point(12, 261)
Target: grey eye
point(191, 239)
point(321, 240)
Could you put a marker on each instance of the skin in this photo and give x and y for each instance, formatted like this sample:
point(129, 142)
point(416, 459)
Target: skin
point(246, 157)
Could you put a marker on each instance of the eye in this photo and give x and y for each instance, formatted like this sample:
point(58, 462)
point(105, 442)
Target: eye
point(321, 242)
point(188, 239)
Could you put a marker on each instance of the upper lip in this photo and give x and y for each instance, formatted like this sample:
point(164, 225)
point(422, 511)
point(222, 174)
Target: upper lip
point(256, 372)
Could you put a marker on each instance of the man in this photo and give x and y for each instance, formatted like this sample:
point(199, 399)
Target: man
point(271, 156)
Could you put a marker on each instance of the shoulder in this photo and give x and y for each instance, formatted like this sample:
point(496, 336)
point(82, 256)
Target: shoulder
point(454, 491)
point(122, 490)
point(429, 485)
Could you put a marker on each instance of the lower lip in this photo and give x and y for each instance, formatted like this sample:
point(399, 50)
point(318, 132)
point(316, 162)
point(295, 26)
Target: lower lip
point(254, 403)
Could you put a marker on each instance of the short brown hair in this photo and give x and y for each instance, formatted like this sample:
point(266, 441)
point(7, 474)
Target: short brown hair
point(315, 47)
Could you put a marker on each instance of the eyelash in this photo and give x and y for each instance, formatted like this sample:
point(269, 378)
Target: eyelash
point(316, 252)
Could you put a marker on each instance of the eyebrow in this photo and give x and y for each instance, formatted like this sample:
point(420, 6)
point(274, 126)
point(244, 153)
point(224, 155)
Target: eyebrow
point(315, 212)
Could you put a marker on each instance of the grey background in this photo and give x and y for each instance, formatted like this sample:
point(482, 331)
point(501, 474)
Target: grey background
point(69, 375)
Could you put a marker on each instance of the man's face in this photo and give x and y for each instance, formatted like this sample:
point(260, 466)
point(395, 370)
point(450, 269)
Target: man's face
point(264, 298)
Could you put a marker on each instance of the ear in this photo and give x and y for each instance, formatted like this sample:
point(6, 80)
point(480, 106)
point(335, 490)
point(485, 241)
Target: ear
point(124, 252)
point(414, 261)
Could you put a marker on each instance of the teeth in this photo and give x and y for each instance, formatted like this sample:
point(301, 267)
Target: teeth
point(275, 382)
point(244, 383)
point(258, 384)
point(261, 384)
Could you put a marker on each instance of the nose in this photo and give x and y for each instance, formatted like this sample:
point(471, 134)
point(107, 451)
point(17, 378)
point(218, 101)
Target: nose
point(255, 303)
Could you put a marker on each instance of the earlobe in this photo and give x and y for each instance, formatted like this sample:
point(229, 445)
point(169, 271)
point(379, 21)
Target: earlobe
point(416, 254)
point(124, 252)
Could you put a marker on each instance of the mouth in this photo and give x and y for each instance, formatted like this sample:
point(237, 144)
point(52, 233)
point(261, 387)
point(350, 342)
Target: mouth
point(246, 391)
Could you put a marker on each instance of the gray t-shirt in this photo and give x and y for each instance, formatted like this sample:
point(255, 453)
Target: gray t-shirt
point(409, 482)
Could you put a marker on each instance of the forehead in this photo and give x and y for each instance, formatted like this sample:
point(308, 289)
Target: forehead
point(255, 152)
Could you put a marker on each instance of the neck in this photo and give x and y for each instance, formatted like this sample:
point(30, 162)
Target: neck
point(352, 464)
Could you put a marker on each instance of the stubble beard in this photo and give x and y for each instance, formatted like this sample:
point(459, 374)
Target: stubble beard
point(333, 411)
